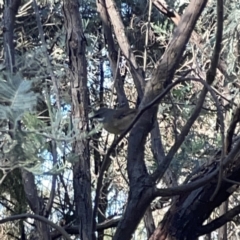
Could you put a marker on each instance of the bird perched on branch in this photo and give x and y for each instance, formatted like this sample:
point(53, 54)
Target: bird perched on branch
point(115, 120)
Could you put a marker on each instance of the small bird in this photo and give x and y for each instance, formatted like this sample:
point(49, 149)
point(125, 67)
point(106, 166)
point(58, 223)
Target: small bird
point(115, 121)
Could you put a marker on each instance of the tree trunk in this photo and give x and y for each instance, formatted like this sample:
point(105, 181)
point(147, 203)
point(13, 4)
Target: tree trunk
point(9, 15)
point(78, 77)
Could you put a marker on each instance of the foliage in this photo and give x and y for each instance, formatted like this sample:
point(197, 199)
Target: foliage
point(28, 100)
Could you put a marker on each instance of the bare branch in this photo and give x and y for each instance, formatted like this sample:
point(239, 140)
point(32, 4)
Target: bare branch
point(41, 33)
point(39, 218)
point(217, 223)
point(112, 53)
point(125, 46)
point(211, 76)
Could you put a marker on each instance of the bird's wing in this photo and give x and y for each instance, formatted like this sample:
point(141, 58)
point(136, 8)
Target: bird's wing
point(123, 113)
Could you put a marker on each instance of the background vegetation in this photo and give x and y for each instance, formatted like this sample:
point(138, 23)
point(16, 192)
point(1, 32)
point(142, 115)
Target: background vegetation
point(176, 175)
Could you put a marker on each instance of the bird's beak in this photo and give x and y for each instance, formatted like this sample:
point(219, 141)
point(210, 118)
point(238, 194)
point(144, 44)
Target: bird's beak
point(91, 115)
point(95, 116)
point(99, 119)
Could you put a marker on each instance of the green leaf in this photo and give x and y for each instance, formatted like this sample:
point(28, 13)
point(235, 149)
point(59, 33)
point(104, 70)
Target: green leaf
point(16, 98)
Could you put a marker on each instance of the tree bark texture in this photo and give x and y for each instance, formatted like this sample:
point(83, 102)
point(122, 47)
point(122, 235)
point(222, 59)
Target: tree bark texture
point(76, 42)
point(9, 15)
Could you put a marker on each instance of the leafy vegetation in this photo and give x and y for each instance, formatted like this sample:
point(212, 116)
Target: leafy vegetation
point(62, 175)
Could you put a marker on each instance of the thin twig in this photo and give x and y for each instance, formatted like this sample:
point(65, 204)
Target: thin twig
point(115, 75)
point(120, 169)
point(165, 163)
point(214, 64)
point(39, 218)
point(3, 177)
point(44, 45)
point(56, 90)
point(147, 34)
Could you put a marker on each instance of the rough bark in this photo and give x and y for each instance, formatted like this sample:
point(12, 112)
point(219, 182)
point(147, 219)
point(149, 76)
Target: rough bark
point(9, 15)
point(78, 77)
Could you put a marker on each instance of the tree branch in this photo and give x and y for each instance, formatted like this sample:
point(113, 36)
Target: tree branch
point(231, 157)
point(217, 223)
point(39, 218)
point(112, 53)
point(162, 6)
point(125, 46)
